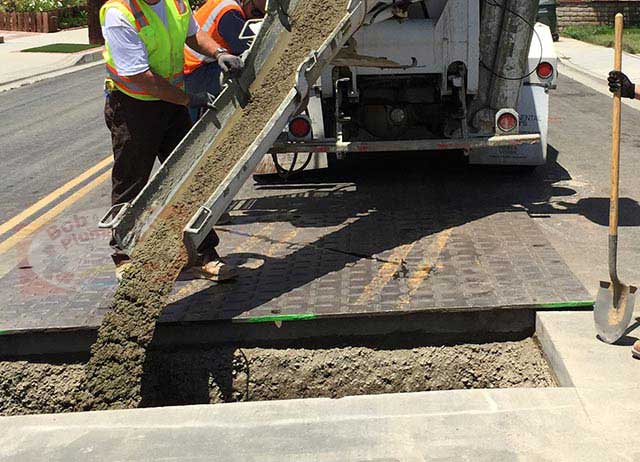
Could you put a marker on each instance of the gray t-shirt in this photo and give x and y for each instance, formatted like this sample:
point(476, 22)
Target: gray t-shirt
point(126, 47)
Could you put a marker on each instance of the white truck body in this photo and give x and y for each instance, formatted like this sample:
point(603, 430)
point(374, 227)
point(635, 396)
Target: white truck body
point(533, 109)
point(408, 80)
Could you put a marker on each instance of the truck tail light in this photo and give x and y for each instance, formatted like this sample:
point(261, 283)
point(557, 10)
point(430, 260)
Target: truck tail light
point(300, 127)
point(544, 70)
point(507, 122)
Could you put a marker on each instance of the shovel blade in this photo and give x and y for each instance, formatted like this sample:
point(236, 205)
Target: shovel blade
point(613, 311)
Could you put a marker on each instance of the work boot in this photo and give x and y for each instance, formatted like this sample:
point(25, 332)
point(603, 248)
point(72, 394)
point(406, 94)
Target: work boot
point(635, 350)
point(121, 268)
point(216, 270)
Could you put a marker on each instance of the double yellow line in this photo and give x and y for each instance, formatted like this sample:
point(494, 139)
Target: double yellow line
point(50, 214)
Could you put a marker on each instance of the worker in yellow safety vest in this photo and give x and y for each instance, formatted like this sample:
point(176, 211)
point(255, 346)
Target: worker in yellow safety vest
point(146, 105)
point(223, 21)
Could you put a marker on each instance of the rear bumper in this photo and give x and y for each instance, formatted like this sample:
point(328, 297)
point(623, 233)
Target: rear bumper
point(332, 145)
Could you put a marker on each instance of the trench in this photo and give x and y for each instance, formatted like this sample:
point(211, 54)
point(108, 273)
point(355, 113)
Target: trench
point(123, 372)
point(188, 375)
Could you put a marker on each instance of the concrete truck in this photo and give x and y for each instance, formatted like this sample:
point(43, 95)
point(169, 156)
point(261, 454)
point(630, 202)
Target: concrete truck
point(433, 75)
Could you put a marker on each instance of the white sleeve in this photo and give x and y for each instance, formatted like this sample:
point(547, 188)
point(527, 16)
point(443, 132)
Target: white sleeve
point(126, 47)
point(193, 27)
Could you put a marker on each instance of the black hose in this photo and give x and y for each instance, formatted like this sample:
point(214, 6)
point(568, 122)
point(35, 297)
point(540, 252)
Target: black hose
point(286, 173)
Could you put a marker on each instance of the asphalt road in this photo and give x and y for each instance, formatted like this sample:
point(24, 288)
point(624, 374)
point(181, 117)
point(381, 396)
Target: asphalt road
point(51, 131)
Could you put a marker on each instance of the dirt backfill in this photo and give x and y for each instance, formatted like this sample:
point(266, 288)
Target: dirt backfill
point(256, 374)
point(115, 370)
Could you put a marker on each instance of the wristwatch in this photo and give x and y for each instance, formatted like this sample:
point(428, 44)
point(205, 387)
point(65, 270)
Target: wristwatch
point(220, 51)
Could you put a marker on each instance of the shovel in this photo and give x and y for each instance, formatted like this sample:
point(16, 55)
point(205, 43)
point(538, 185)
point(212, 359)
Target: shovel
point(614, 304)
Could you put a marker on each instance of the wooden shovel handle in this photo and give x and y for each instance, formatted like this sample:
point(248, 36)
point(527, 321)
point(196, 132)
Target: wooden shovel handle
point(615, 135)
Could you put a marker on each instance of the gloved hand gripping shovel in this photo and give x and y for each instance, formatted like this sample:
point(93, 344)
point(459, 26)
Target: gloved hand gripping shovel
point(614, 305)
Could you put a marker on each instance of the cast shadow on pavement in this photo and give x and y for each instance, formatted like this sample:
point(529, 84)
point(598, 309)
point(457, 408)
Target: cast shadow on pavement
point(377, 205)
point(594, 209)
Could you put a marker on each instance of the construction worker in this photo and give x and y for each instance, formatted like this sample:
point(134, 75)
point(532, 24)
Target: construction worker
point(146, 106)
point(619, 82)
point(223, 20)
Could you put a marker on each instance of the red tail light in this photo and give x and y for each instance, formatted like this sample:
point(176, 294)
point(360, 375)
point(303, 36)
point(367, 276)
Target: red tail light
point(300, 127)
point(544, 70)
point(507, 122)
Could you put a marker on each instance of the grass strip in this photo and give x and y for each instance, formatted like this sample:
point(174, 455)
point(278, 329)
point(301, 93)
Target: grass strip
point(279, 317)
point(575, 304)
point(61, 48)
point(603, 36)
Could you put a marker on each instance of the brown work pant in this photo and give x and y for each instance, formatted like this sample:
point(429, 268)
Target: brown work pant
point(142, 131)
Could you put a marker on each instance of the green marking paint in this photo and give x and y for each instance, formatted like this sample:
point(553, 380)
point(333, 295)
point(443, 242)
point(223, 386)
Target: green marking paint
point(575, 304)
point(279, 317)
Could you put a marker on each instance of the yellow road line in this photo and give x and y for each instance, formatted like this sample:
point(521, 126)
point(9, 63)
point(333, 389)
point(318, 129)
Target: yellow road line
point(284, 242)
point(426, 265)
point(385, 274)
point(251, 243)
point(35, 208)
point(45, 218)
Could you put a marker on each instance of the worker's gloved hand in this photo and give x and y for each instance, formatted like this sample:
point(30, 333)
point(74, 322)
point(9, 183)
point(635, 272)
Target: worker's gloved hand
point(230, 64)
point(619, 82)
point(203, 99)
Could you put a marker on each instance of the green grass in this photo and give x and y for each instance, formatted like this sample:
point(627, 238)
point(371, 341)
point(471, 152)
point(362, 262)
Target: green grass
point(603, 36)
point(61, 48)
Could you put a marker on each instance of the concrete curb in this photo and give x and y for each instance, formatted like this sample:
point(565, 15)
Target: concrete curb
point(590, 79)
point(85, 60)
point(552, 355)
point(90, 57)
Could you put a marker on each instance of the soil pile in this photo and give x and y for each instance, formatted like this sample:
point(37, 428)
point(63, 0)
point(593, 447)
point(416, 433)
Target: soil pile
point(116, 367)
point(255, 374)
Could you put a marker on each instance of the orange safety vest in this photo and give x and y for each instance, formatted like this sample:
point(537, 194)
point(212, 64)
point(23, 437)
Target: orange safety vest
point(208, 17)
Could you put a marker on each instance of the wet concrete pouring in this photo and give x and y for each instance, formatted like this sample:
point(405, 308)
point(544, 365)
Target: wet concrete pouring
point(113, 375)
point(121, 373)
point(201, 373)
point(114, 372)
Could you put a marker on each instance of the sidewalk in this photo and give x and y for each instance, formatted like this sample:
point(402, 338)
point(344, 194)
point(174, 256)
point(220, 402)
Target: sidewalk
point(590, 65)
point(17, 68)
point(476, 425)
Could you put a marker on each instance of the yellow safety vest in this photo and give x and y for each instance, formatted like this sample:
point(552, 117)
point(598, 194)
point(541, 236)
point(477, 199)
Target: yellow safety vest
point(164, 45)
